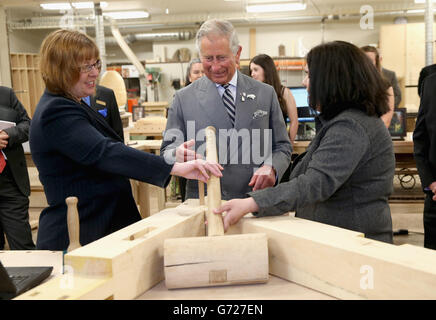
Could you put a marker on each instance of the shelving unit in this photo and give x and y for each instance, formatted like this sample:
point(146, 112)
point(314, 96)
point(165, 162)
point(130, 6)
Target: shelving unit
point(290, 69)
point(26, 79)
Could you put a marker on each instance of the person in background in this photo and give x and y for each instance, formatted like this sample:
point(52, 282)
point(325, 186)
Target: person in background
point(78, 154)
point(194, 71)
point(426, 71)
point(345, 178)
point(14, 178)
point(424, 139)
point(262, 68)
point(245, 113)
point(372, 53)
point(105, 103)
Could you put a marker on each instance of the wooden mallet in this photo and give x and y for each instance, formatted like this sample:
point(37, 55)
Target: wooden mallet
point(217, 259)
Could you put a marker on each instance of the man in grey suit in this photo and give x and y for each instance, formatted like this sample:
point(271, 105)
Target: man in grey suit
point(252, 142)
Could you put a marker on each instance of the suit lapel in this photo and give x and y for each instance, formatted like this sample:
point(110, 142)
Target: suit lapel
point(245, 107)
point(102, 125)
point(211, 103)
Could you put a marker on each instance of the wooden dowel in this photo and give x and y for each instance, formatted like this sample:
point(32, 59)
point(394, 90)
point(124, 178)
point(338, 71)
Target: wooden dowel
point(73, 223)
point(215, 225)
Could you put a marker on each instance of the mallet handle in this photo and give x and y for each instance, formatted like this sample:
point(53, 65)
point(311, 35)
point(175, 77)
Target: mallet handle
point(73, 223)
point(215, 225)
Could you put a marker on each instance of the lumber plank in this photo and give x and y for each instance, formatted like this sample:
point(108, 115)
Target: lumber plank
point(125, 263)
point(343, 263)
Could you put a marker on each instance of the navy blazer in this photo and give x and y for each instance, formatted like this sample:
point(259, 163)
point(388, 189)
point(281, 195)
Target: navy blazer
point(78, 154)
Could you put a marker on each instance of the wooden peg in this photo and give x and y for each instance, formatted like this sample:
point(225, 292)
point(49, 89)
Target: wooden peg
point(73, 223)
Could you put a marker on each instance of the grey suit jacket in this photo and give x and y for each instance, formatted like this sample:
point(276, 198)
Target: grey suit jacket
point(259, 135)
point(344, 179)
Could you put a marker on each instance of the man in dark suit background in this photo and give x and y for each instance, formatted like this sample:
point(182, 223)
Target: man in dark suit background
point(426, 71)
point(105, 103)
point(14, 178)
point(424, 139)
point(391, 77)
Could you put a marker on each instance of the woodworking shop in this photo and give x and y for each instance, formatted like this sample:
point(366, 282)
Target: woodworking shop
point(220, 155)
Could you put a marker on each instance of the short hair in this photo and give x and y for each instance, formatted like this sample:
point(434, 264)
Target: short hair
point(218, 27)
point(61, 54)
point(188, 70)
point(377, 55)
point(271, 76)
point(342, 77)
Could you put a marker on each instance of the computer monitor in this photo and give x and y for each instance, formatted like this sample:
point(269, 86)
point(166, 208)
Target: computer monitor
point(398, 126)
point(305, 113)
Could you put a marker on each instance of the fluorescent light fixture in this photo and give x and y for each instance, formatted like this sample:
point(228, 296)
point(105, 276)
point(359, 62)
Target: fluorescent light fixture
point(56, 6)
point(422, 1)
point(127, 14)
point(67, 6)
point(276, 7)
point(88, 5)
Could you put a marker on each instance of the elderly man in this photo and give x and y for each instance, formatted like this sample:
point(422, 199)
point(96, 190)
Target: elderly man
point(252, 142)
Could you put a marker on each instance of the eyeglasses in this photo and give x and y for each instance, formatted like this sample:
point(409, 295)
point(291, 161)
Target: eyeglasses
point(88, 67)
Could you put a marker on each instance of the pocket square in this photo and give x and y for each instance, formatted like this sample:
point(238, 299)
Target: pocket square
point(259, 114)
point(103, 112)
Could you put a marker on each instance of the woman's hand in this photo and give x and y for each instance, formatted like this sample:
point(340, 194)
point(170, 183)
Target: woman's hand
point(197, 169)
point(235, 209)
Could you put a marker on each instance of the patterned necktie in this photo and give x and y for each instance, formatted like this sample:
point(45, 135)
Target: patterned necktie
point(2, 162)
point(229, 104)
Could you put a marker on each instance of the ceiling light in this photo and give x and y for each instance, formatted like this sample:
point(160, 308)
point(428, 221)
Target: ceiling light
point(422, 1)
point(276, 7)
point(56, 6)
point(88, 5)
point(67, 6)
point(127, 14)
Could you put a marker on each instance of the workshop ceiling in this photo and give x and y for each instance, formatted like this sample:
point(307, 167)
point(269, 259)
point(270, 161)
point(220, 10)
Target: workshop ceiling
point(173, 12)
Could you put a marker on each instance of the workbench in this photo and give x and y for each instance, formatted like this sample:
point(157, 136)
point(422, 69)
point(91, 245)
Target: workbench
point(141, 190)
point(275, 289)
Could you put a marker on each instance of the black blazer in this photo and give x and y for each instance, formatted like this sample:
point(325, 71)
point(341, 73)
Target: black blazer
point(423, 74)
point(78, 154)
point(12, 110)
point(424, 135)
point(105, 103)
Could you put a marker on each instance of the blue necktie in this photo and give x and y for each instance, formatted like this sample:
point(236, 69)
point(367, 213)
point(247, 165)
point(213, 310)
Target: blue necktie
point(228, 103)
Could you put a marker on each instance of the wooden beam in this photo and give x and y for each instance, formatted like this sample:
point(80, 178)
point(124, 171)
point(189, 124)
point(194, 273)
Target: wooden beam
point(124, 264)
point(331, 260)
point(343, 263)
point(253, 47)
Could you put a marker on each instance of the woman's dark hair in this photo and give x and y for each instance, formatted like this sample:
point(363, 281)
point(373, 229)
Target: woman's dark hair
point(342, 77)
point(271, 76)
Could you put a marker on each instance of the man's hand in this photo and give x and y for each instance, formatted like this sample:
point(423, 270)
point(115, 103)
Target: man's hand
point(4, 138)
point(264, 177)
point(184, 152)
point(197, 169)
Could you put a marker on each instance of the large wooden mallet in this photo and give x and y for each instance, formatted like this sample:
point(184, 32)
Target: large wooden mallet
point(217, 259)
